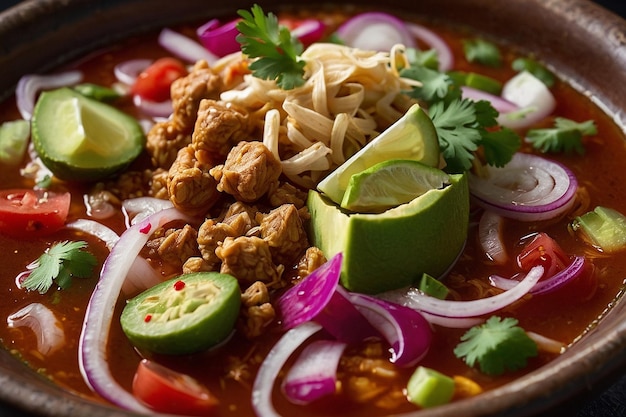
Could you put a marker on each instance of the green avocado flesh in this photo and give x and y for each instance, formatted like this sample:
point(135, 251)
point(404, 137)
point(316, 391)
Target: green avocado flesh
point(390, 250)
point(187, 314)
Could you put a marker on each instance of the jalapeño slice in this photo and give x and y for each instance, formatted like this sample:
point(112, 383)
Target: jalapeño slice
point(187, 314)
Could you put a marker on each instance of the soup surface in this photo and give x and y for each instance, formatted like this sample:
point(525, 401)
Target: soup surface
point(367, 382)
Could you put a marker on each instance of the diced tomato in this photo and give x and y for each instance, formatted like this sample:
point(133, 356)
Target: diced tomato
point(543, 250)
point(27, 213)
point(155, 81)
point(167, 391)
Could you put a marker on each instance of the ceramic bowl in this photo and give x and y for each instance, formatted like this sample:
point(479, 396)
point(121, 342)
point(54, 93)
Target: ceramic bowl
point(583, 42)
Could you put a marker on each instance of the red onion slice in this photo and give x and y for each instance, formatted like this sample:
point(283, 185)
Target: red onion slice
point(127, 72)
point(434, 41)
point(97, 229)
point(219, 39)
point(529, 188)
point(96, 325)
point(490, 237)
point(309, 31)
point(318, 297)
point(548, 285)
point(270, 368)
point(153, 108)
point(375, 31)
point(531, 95)
point(498, 103)
point(314, 374)
point(453, 322)
point(42, 321)
point(184, 47)
point(29, 86)
point(415, 299)
point(406, 330)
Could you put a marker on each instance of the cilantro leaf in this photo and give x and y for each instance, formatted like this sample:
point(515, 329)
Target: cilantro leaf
point(435, 85)
point(535, 68)
point(497, 345)
point(60, 263)
point(482, 52)
point(500, 146)
point(566, 136)
point(277, 52)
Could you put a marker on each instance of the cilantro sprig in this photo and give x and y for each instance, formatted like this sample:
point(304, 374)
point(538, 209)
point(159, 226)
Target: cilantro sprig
point(566, 136)
point(497, 345)
point(59, 264)
point(277, 53)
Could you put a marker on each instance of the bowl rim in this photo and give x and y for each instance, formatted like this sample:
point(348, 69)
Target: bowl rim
point(598, 354)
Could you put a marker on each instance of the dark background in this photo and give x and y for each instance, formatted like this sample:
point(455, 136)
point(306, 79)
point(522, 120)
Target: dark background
point(607, 399)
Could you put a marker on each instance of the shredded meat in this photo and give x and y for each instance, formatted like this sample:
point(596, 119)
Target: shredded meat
point(257, 312)
point(248, 259)
point(176, 246)
point(188, 91)
point(190, 186)
point(249, 172)
point(284, 232)
point(218, 128)
point(163, 142)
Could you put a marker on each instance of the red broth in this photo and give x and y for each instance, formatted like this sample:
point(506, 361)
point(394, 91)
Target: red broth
point(229, 372)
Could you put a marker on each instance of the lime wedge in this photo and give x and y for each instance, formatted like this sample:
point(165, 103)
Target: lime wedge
point(394, 249)
point(391, 183)
point(413, 137)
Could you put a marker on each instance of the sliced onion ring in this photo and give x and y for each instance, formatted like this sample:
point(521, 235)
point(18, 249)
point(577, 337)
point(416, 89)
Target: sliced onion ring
point(415, 299)
point(529, 188)
point(273, 363)
point(96, 325)
point(375, 31)
point(573, 270)
point(184, 47)
point(434, 41)
point(30, 85)
point(219, 39)
point(127, 72)
point(314, 374)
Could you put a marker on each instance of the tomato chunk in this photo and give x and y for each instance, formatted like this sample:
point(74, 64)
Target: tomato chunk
point(167, 391)
point(544, 251)
point(27, 213)
point(155, 81)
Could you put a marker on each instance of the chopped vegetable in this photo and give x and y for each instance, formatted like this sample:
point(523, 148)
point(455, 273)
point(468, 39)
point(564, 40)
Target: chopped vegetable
point(433, 287)
point(60, 263)
point(497, 345)
point(566, 136)
point(477, 81)
point(482, 51)
point(535, 68)
point(154, 82)
point(533, 99)
point(435, 85)
point(277, 51)
point(13, 141)
point(604, 227)
point(429, 388)
point(97, 92)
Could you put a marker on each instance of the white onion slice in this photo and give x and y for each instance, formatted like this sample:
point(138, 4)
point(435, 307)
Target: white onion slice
point(141, 207)
point(528, 188)
point(127, 72)
point(531, 95)
point(414, 298)
point(434, 41)
point(42, 321)
point(97, 229)
point(184, 47)
point(266, 376)
point(314, 374)
point(453, 322)
point(490, 237)
point(29, 86)
point(96, 325)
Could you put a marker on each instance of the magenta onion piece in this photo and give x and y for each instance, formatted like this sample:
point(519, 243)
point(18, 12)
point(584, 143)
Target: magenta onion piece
point(309, 31)
point(127, 72)
point(96, 325)
point(434, 41)
point(273, 363)
point(417, 300)
point(320, 298)
point(184, 47)
point(490, 237)
point(42, 321)
point(531, 95)
point(29, 86)
point(314, 374)
point(153, 108)
point(219, 39)
point(498, 103)
point(573, 270)
point(406, 330)
point(528, 188)
point(375, 31)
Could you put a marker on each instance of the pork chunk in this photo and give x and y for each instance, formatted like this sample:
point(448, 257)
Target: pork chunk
point(284, 232)
point(248, 259)
point(257, 312)
point(163, 142)
point(176, 245)
point(250, 171)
